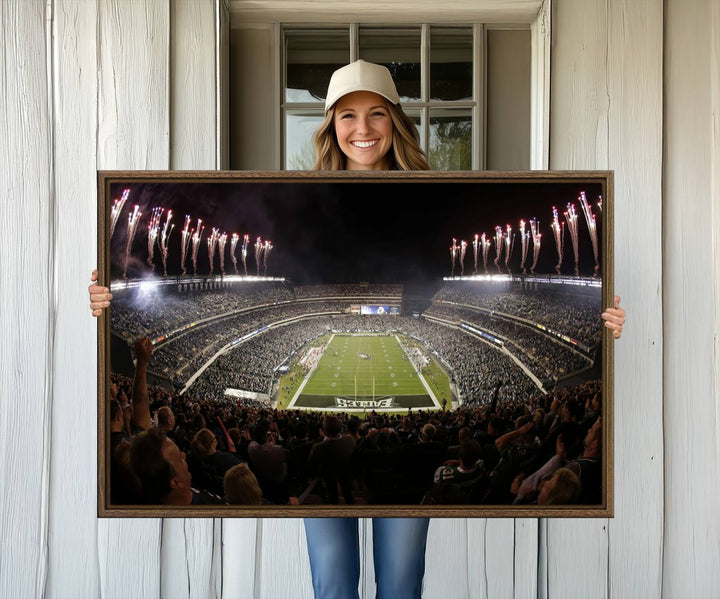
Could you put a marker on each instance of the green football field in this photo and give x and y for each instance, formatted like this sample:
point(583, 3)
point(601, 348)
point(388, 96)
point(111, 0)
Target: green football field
point(364, 372)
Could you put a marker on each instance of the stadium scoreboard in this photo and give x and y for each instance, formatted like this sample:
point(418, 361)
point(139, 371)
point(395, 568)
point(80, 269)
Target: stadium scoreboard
point(377, 309)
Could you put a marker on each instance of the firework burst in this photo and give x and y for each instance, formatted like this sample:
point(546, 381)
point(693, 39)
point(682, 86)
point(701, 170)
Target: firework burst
point(212, 246)
point(117, 209)
point(536, 239)
point(258, 254)
point(453, 256)
point(233, 246)
point(187, 233)
point(164, 239)
point(485, 244)
point(571, 219)
point(509, 245)
point(133, 221)
point(197, 236)
point(463, 249)
point(592, 227)
point(498, 247)
point(267, 248)
point(476, 245)
point(524, 244)
point(244, 252)
point(222, 240)
point(153, 233)
point(558, 230)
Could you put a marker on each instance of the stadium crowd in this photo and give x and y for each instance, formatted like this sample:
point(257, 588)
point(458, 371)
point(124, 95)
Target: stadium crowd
point(573, 315)
point(549, 359)
point(349, 290)
point(506, 443)
point(144, 313)
point(259, 358)
point(230, 315)
point(183, 355)
point(181, 450)
point(476, 367)
point(137, 313)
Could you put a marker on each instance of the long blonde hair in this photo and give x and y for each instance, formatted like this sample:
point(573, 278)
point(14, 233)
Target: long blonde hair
point(405, 154)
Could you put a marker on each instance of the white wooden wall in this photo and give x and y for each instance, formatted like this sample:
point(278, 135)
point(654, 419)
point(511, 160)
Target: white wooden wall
point(635, 87)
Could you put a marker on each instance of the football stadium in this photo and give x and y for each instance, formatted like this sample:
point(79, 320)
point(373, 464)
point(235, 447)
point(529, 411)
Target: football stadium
point(434, 385)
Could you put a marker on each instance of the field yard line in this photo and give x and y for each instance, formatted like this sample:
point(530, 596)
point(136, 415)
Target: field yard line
point(420, 376)
point(308, 375)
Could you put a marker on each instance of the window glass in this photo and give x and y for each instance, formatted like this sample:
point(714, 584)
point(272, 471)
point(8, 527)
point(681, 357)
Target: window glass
point(310, 59)
point(398, 50)
point(451, 63)
point(414, 115)
point(299, 149)
point(450, 146)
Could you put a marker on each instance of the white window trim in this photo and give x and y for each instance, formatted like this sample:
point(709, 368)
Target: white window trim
point(540, 89)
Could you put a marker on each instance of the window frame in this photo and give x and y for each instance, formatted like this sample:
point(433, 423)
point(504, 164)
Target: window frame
point(476, 106)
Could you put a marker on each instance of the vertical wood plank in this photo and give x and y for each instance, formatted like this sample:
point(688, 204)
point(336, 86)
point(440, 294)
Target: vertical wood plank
point(579, 100)
point(577, 551)
point(715, 193)
point(190, 566)
point(577, 558)
point(73, 561)
point(27, 311)
point(635, 88)
point(525, 574)
point(691, 402)
point(282, 566)
point(470, 558)
point(447, 558)
point(133, 124)
point(239, 557)
point(499, 557)
point(607, 113)
point(193, 85)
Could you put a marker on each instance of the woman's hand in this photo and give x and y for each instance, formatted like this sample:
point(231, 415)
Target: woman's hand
point(615, 318)
point(99, 296)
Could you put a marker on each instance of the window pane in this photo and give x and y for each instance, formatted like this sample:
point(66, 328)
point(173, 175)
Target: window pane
point(299, 149)
point(451, 55)
point(414, 115)
point(398, 50)
point(450, 140)
point(311, 58)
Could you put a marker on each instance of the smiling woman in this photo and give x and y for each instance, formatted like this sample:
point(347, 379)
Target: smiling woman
point(365, 127)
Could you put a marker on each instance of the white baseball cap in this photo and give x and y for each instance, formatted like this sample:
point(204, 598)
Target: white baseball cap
point(361, 76)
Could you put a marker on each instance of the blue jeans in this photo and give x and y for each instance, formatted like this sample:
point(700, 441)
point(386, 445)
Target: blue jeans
point(398, 553)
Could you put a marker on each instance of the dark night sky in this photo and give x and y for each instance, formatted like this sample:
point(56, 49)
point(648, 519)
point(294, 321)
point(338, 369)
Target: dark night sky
point(387, 231)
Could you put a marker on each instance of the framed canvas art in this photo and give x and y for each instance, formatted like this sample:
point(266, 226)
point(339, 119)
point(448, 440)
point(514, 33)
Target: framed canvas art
point(355, 344)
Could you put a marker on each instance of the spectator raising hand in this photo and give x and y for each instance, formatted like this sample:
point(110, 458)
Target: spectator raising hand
point(140, 397)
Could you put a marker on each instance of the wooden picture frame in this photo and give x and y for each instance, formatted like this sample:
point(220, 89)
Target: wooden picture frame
point(346, 246)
